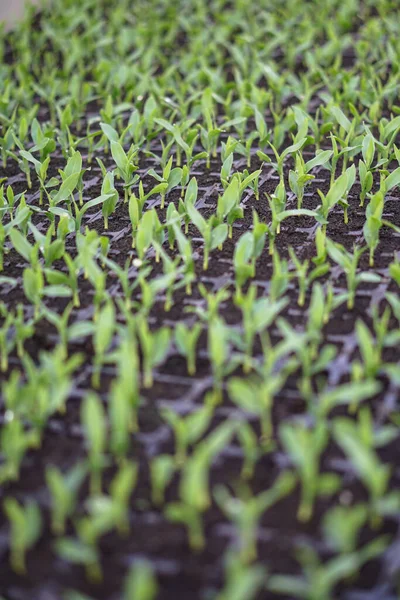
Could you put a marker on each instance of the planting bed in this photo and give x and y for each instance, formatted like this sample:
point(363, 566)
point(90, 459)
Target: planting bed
point(199, 308)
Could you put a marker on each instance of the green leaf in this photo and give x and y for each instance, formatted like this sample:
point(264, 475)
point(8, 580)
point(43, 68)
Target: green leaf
point(67, 187)
point(109, 132)
point(218, 235)
point(320, 159)
point(104, 330)
point(392, 180)
point(21, 244)
point(119, 156)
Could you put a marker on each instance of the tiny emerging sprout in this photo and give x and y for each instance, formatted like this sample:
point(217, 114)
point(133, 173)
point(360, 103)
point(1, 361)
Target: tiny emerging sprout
point(280, 277)
point(71, 177)
point(370, 349)
point(149, 230)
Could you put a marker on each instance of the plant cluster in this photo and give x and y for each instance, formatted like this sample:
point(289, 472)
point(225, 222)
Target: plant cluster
point(200, 268)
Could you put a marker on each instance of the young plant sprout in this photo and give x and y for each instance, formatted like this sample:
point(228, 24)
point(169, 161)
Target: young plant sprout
point(305, 447)
point(187, 430)
point(212, 231)
point(337, 194)
point(154, 347)
point(170, 179)
point(301, 177)
point(26, 526)
point(349, 263)
point(360, 451)
point(186, 340)
point(162, 468)
point(126, 166)
point(246, 512)
point(94, 424)
point(102, 338)
point(64, 491)
point(140, 582)
point(304, 278)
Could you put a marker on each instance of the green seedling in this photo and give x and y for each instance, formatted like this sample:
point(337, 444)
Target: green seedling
point(242, 582)
point(78, 552)
point(247, 250)
point(126, 165)
point(194, 494)
point(301, 177)
point(349, 263)
point(26, 525)
point(359, 449)
point(186, 340)
point(320, 579)
point(246, 511)
point(304, 277)
point(337, 194)
point(305, 447)
point(154, 346)
point(213, 232)
point(257, 315)
point(162, 468)
point(140, 583)
point(94, 424)
point(228, 205)
point(170, 179)
point(187, 430)
point(64, 491)
point(102, 339)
